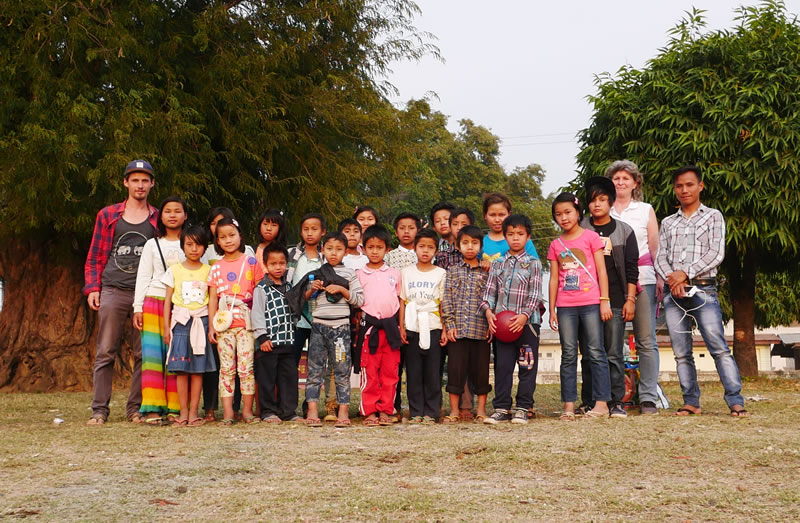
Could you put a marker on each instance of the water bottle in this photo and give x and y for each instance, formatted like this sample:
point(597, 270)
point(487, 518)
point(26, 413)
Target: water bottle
point(339, 346)
point(311, 280)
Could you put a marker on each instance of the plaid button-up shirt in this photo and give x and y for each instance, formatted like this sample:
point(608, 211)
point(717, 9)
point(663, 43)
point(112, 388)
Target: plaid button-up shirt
point(515, 284)
point(271, 317)
point(447, 256)
point(693, 244)
point(463, 293)
point(102, 242)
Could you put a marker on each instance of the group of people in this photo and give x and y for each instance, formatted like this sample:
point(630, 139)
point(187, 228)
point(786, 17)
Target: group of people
point(213, 316)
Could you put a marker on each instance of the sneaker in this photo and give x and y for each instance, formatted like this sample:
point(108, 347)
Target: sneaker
point(520, 417)
point(617, 411)
point(648, 408)
point(497, 416)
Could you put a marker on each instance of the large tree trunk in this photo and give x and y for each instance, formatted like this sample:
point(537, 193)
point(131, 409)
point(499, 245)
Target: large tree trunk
point(47, 331)
point(742, 277)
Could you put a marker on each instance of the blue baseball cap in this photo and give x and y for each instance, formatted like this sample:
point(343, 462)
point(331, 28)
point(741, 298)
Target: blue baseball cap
point(139, 166)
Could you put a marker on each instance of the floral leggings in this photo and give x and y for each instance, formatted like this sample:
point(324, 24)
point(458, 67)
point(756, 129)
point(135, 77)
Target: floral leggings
point(236, 356)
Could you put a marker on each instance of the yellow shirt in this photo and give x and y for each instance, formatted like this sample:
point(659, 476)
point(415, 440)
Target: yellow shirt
point(190, 289)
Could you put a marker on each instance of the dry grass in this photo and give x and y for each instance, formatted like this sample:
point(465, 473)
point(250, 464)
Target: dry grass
point(710, 467)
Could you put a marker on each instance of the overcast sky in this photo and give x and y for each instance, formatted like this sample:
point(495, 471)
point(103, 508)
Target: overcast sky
point(524, 68)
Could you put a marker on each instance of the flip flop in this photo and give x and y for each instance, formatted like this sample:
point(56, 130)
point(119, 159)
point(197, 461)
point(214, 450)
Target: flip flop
point(197, 422)
point(272, 419)
point(153, 422)
point(342, 423)
point(313, 422)
point(740, 413)
point(371, 422)
point(683, 411)
point(228, 422)
point(384, 420)
point(180, 423)
point(96, 421)
point(450, 420)
point(567, 416)
point(479, 418)
point(136, 418)
point(251, 420)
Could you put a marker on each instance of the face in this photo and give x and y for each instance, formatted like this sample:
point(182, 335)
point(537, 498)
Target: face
point(516, 237)
point(228, 238)
point(425, 249)
point(406, 230)
point(353, 235)
point(312, 231)
point(566, 215)
point(269, 230)
point(469, 247)
point(441, 222)
point(192, 249)
point(375, 250)
point(624, 183)
point(458, 223)
point(173, 216)
point(213, 224)
point(139, 185)
point(495, 214)
point(334, 251)
point(687, 188)
point(600, 206)
point(366, 219)
point(276, 265)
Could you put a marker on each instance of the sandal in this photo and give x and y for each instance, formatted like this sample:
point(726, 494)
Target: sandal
point(415, 419)
point(385, 420)
point(272, 419)
point(739, 413)
point(567, 416)
point(342, 423)
point(172, 418)
point(180, 423)
point(251, 419)
point(313, 422)
point(228, 422)
point(96, 421)
point(593, 414)
point(155, 421)
point(450, 420)
point(685, 411)
point(372, 421)
point(428, 420)
point(136, 418)
point(479, 418)
point(197, 422)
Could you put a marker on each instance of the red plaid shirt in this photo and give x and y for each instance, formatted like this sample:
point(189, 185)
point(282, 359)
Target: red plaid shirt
point(102, 240)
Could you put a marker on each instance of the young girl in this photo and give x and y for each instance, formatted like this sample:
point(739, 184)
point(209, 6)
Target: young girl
point(214, 216)
point(271, 229)
point(366, 216)
point(496, 208)
point(231, 281)
point(159, 393)
point(186, 324)
point(579, 303)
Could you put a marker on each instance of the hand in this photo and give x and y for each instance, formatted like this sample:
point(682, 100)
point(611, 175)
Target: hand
point(334, 289)
point(676, 277)
point(94, 300)
point(403, 336)
point(443, 338)
point(212, 334)
point(628, 310)
point(605, 310)
point(490, 317)
point(486, 265)
point(167, 337)
point(518, 323)
point(138, 323)
point(553, 320)
point(451, 334)
point(679, 290)
point(266, 346)
point(317, 285)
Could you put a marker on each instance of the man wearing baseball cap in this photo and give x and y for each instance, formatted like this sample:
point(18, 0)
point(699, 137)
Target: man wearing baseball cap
point(120, 232)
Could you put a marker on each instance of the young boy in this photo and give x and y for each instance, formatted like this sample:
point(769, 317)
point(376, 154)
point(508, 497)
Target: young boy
point(334, 289)
point(304, 258)
point(421, 329)
point(449, 254)
point(354, 258)
point(496, 208)
point(515, 284)
point(467, 329)
point(621, 254)
point(440, 219)
point(379, 336)
point(406, 226)
point(273, 327)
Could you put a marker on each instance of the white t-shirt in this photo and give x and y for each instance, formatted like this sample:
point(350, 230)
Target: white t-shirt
point(151, 269)
point(211, 256)
point(355, 261)
point(637, 215)
point(422, 288)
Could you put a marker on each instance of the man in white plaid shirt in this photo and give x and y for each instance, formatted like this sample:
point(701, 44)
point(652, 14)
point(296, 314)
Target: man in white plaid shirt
point(691, 246)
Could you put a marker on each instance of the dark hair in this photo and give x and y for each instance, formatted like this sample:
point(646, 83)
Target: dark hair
point(196, 233)
point(685, 169)
point(466, 212)
point(216, 211)
point(334, 236)
point(234, 223)
point(379, 232)
point(349, 221)
point(593, 191)
point(493, 198)
point(517, 220)
point(162, 229)
point(427, 233)
point(407, 216)
point(472, 231)
point(366, 208)
point(565, 197)
point(441, 206)
point(273, 216)
point(313, 215)
point(274, 247)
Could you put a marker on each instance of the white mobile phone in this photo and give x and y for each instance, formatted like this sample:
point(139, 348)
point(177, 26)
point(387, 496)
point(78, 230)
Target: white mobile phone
point(691, 291)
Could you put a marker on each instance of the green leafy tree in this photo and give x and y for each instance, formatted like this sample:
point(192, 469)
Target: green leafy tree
point(729, 102)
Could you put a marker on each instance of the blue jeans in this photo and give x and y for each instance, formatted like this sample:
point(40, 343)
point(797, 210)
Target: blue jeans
point(709, 320)
point(583, 323)
point(613, 334)
point(644, 332)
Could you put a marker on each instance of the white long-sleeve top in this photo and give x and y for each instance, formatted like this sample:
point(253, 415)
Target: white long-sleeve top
point(151, 269)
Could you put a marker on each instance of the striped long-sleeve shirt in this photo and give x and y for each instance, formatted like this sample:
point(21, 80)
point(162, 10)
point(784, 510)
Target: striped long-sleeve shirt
point(515, 284)
point(693, 244)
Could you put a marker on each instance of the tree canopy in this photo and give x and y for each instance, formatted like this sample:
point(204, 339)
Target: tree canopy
point(726, 101)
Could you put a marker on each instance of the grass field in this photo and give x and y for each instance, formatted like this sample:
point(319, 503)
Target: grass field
point(709, 467)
